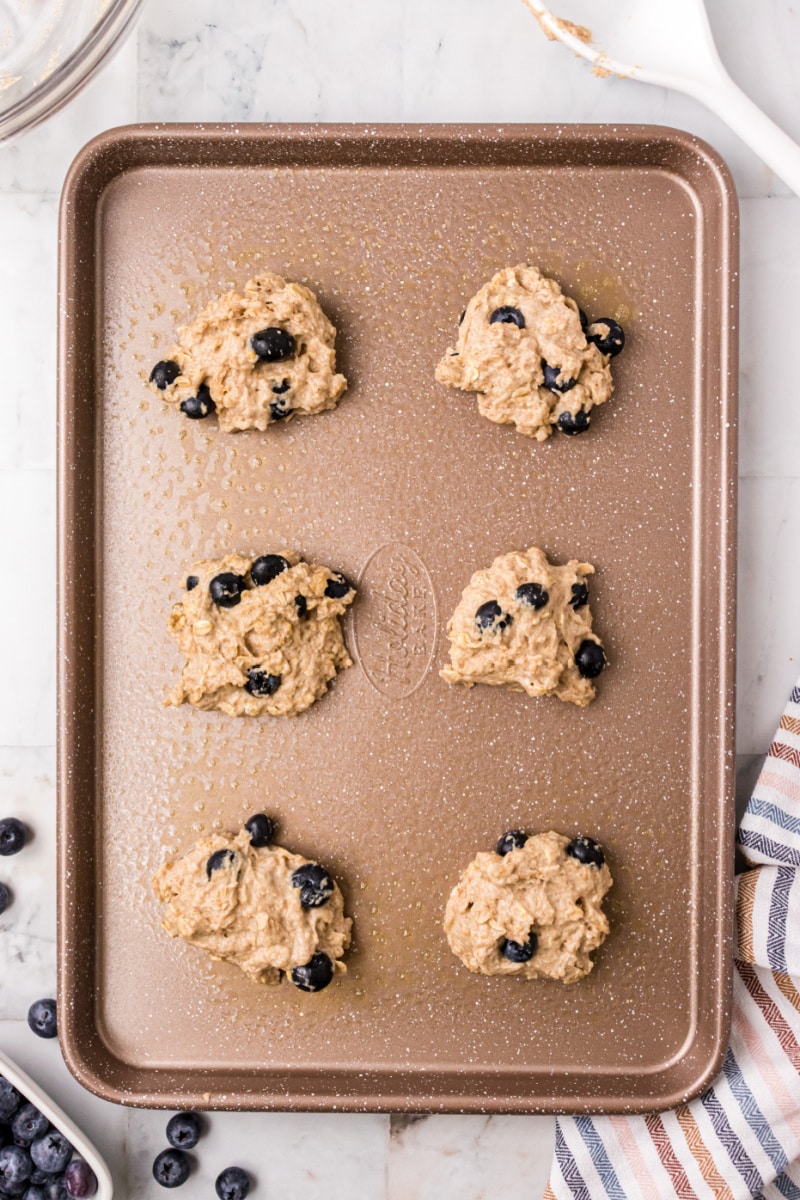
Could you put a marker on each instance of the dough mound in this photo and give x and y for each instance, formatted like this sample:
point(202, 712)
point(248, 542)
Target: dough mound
point(247, 911)
point(538, 889)
point(525, 623)
point(504, 363)
point(249, 392)
point(273, 649)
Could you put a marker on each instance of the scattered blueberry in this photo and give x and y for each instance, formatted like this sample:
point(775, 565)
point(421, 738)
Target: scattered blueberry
point(315, 884)
point(551, 381)
point(262, 830)
point(273, 344)
point(5, 898)
point(268, 567)
point(314, 975)
point(9, 1099)
point(259, 683)
point(51, 1152)
point(337, 586)
point(515, 839)
point(191, 582)
point(164, 373)
point(580, 595)
point(13, 836)
point(15, 1167)
point(199, 406)
point(507, 315)
point(43, 1020)
point(584, 320)
point(607, 335)
point(301, 604)
point(232, 1184)
point(572, 423)
point(171, 1168)
point(226, 589)
point(280, 388)
point(28, 1125)
point(491, 616)
point(586, 850)
point(80, 1180)
point(519, 952)
point(589, 659)
point(183, 1130)
point(532, 595)
point(219, 859)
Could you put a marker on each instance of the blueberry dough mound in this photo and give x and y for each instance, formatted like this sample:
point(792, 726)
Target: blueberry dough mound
point(523, 348)
point(525, 624)
point(260, 636)
point(254, 359)
point(534, 910)
point(241, 904)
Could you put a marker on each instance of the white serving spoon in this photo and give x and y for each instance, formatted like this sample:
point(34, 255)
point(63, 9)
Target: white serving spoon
point(669, 42)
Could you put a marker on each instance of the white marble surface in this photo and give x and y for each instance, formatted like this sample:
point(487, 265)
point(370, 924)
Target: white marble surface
point(357, 60)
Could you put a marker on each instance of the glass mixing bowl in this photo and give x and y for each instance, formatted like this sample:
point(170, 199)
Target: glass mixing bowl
point(49, 49)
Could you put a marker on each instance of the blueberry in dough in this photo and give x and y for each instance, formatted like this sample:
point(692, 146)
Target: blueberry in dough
point(280, 388)
point(573, 423)
point(260, 683)
point(532, 595)
point(273, 344)
point(337, 586)
point(218, 860)
point(491, 616)
point(607, 335)
point(164, 373)
point(268, 567)
point(519, 952)
point(551, 380)
point(315, 884)
point(590, 659)
point(226, 589)
point(586, 850)
point(279, 409)
point(314, 975)
point(506, 314)
point(191, 582)
point(580, 595)
point(301, 604)
point(199, 406)
point(515, 839)
point(261, 829)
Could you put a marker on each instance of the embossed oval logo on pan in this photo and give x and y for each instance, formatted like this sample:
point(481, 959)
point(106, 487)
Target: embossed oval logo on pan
point(394, 629)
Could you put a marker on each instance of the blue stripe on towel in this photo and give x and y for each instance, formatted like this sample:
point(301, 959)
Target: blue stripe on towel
point(753, 1114)
point(772, 812)
point(771, 849)
point(602, 1163)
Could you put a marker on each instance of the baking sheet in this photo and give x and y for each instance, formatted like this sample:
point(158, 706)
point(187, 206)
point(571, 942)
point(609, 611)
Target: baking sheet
point(395, 780)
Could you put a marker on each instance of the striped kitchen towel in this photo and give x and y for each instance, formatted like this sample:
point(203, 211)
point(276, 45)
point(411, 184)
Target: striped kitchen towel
point(742, 1137)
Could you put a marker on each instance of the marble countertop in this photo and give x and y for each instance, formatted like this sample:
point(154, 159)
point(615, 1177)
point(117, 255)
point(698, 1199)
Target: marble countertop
point(305, 60)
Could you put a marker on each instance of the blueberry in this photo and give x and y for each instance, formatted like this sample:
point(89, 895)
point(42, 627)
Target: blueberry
point(273, 344)
point(551, 379)
point(199, 406)
point(584, 320)
point(183, 1130)
point(232, 1184)
point(219, 859)
point(5, 1134)
point(491, 616)
point(532, 595)
point(586, 850)
point(51, 1152)
point(80, 1180)
point(461, 318)
point(10, 1099)
point(571, 423)
point(43, 1020)
point(226, 589)
point(15, 1166)
point(191, 582)
point(259, 683)
point(39, 1177)
point(164, 373)
point(580, 595)
point(268, 567)
point(607, 335)
point(315, 884)
point(515, 839)
point(5, 898)
point(280, 388)
point(519, 952)
point(171, 1168)
point(508, 316)
point(54, 1188)
point(279, 409)
point(13, 836)
point(314, 975)
point(28, 1125)
point(261, 829)
point(301, 604)
point(589, 659)
point(36, 1192)
point(337, 586)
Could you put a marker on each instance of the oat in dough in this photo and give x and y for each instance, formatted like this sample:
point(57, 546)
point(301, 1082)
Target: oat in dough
point(240, 905)
point(259, 636)
point(263, 356)
point(521, 346)
point(525, 623)
point(534, 910)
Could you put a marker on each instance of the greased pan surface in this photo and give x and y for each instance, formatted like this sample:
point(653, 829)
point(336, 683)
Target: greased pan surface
point(394, 779)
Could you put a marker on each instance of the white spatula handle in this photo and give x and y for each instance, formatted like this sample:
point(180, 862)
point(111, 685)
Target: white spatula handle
point(755, 128)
